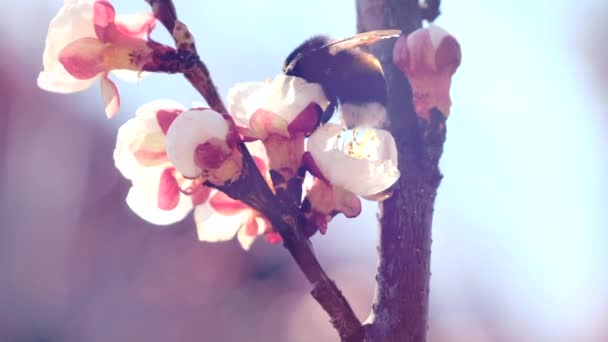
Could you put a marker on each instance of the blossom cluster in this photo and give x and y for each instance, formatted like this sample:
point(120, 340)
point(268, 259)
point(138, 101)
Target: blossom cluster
point(176, 157)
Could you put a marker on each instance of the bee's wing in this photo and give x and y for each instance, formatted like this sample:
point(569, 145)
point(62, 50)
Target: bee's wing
point(365, 38)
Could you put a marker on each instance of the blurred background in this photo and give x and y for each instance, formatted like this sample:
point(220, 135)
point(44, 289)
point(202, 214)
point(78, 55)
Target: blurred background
point(521, 222)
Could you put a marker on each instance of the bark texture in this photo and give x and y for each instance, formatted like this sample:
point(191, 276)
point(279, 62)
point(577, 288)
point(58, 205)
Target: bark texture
point(401, 302)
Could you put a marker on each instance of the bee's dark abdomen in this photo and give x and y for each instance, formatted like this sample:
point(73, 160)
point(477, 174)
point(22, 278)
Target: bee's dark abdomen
point(313, 64)
point(359, 79)
point(349, 76)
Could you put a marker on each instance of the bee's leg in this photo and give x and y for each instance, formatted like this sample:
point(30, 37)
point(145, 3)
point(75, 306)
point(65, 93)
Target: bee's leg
point(329, 111)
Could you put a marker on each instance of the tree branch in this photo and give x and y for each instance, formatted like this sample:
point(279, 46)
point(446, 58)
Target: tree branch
point(193, 69)
point(288, 221)
point(252, 189)
point(400, 308)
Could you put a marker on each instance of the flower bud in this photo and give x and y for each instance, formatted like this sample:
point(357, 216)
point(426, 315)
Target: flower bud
point(428, 57)
point(203, 143)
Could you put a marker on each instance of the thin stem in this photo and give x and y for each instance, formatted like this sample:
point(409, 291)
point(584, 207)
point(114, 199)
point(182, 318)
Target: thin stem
point(290, 223)
point(193, 68)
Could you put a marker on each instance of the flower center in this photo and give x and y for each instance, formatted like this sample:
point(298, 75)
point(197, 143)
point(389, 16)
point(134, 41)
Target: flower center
point(359, 143)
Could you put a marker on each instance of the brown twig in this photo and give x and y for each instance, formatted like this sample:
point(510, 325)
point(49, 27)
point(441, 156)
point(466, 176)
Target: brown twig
point(400, 308)
point(289, 222)
point(252, 189)
point(192, 66)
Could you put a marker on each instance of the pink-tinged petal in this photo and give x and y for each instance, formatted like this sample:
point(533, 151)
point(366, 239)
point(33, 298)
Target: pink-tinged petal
point(140, 142)
point(258, 151)
point(212, 226)
point(289, 96)
point(143, 199)
point(245, 240)
point(149, 111)
point(261, 164)
point(73, 22)
point(286, 104)
point(264, 123)
point(321, 221)
point(246, 134)
point(448, 55)
point(285, 154)
point(83, 58)
point(137, 25)
point(103, 19)
point(189, 130)
point(111, 99)
point(148, 157)
point(211, 154)
point(273, 238)
point(255, 225)
point(347, 203)
point(200, 195)
point(139, 146)
point(326, 201)
point(309, 163)
point(307, 120)
point(245, 98)
point(225, 205)
point(168, 190)
point(250, 227)
point(165, 118)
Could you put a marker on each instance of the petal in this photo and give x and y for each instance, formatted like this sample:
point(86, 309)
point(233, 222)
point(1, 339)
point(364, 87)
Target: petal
point(111, 99)
point(168, 190)
point(83, 58)
point(244, 99)
point(137, 25)
point(307, 120)
point(347, 203)
point(150, 110)
point(200, 195)
point(143, 199)
point(253, 226)
point(212, 226)
point(290, 95)
point(103, 19)
point(189, 130)
point(226, 205)
point(140, 142)
point(245, 240)
point(258, 152)
point(273, 237)
point(73, 21)
point(327, 200)
point(364, 177)
point(264, 123)
point(60, 81)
